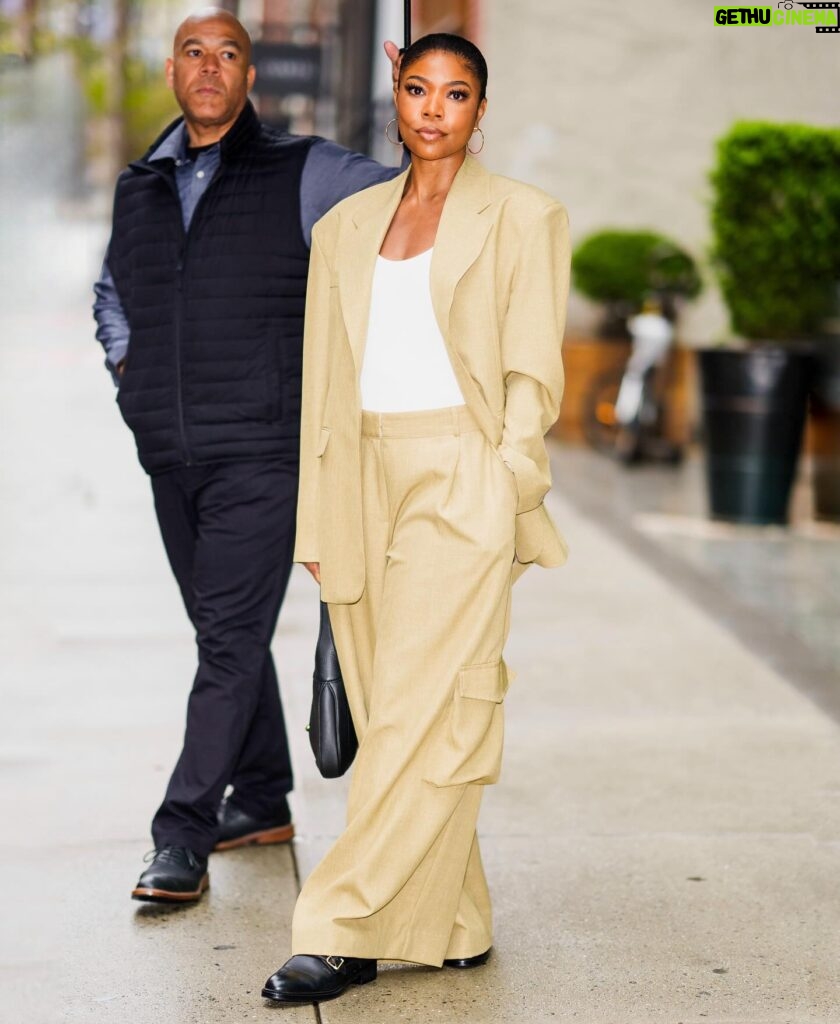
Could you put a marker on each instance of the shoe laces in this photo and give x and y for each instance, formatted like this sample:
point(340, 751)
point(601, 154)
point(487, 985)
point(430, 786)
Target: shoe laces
point(179, 855)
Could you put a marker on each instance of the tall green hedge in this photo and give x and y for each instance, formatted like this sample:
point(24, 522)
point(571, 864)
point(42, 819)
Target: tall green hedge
point(776, 227)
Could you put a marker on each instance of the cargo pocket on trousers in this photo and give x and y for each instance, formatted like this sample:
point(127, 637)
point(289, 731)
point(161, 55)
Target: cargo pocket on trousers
point(469, 749)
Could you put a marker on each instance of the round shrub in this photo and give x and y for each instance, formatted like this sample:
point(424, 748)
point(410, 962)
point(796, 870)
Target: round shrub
point(623, 267)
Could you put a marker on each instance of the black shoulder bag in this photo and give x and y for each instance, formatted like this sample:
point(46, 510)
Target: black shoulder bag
point(331, 731)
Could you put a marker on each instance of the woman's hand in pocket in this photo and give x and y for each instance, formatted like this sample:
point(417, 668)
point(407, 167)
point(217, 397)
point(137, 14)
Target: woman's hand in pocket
point(314, 568)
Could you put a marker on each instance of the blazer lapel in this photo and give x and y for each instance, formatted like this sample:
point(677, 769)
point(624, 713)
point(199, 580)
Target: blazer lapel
point(460, 238)
point(356, 258)
point(461, 235)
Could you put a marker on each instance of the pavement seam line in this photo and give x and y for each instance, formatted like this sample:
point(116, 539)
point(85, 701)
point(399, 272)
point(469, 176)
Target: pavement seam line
point(770, 641)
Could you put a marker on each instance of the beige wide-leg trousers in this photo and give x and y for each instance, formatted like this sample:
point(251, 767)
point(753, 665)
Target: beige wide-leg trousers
point(421, 656)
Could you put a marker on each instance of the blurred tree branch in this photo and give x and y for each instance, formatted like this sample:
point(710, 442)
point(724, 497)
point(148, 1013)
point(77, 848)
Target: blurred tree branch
point(28, 21)
point(117, 76)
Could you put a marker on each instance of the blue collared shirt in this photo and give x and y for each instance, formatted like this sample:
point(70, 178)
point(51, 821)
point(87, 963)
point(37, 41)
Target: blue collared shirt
point(331, 173)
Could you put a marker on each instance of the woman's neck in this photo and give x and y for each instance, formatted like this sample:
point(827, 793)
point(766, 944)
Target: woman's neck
point(430, 180)
point(415, 223)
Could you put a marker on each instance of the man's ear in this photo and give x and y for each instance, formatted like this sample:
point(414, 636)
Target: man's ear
point(252, 77)
point(170, 72)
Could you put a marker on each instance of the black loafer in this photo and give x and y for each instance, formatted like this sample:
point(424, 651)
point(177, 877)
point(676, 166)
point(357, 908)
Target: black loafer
point(237, 828)
point(175, 875)
point(312, 979)
point(470, 961)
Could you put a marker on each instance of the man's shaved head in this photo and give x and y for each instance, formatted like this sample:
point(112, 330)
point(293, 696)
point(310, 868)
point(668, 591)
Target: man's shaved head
point(194, 21)
point(210, 72)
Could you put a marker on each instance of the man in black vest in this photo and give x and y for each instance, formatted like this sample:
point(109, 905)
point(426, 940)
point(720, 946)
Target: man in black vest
point(200, 310)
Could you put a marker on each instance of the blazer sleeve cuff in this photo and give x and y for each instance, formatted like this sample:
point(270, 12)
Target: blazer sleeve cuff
point(531, 484)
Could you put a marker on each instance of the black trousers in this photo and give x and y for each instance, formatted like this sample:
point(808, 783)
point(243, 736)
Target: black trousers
point(229, 531)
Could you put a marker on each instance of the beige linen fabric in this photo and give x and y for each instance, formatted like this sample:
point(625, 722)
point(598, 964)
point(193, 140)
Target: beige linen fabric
point(415, 519)
point(499, 280)
point(421, 655)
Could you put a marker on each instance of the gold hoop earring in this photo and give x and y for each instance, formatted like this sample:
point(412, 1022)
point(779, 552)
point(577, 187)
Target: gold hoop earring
point(475, 152)
point(399, 141)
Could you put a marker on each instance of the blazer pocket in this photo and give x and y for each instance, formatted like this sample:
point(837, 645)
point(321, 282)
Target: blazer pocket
point(323, 441)
point(470, 737)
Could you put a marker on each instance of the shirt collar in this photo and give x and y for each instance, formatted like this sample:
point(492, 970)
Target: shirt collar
point(173, 143)
point(176, 147)
point(173, 147)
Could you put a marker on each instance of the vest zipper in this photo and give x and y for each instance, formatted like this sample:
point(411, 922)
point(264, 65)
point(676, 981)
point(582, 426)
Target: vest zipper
point(179, 302)
point(179, 396)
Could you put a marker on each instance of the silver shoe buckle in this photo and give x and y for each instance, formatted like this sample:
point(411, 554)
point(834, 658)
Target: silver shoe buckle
point(334, 962)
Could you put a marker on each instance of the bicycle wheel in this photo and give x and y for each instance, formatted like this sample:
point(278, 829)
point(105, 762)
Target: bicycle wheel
point(600, 426)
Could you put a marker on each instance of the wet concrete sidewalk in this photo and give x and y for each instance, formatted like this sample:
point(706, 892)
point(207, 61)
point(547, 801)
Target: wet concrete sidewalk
point(663, 844)
point(784, 578)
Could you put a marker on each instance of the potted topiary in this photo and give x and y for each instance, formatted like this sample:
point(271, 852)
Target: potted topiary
point(775, 222)
point(621, 268)
point(824, 420)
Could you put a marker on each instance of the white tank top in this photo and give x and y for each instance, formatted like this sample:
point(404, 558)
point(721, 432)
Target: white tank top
point(406, 366)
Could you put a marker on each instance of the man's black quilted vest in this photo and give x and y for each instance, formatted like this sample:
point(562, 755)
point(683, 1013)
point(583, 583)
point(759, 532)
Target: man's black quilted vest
point(213, 369)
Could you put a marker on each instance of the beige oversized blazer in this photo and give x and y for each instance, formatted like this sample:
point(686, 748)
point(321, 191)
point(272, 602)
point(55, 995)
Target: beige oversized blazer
point(499, 284)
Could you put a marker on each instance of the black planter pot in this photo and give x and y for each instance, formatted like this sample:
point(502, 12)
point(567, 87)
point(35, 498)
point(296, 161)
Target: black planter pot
point(754, 404)
point(825, 430)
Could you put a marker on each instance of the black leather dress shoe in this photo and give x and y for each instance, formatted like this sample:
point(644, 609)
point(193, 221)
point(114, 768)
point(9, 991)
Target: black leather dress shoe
point(312, 979)
point(236, 828)
point(470, 961)
point(176, 875)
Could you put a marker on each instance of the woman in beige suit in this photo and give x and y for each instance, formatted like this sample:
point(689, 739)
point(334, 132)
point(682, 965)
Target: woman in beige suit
point(432, 371)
